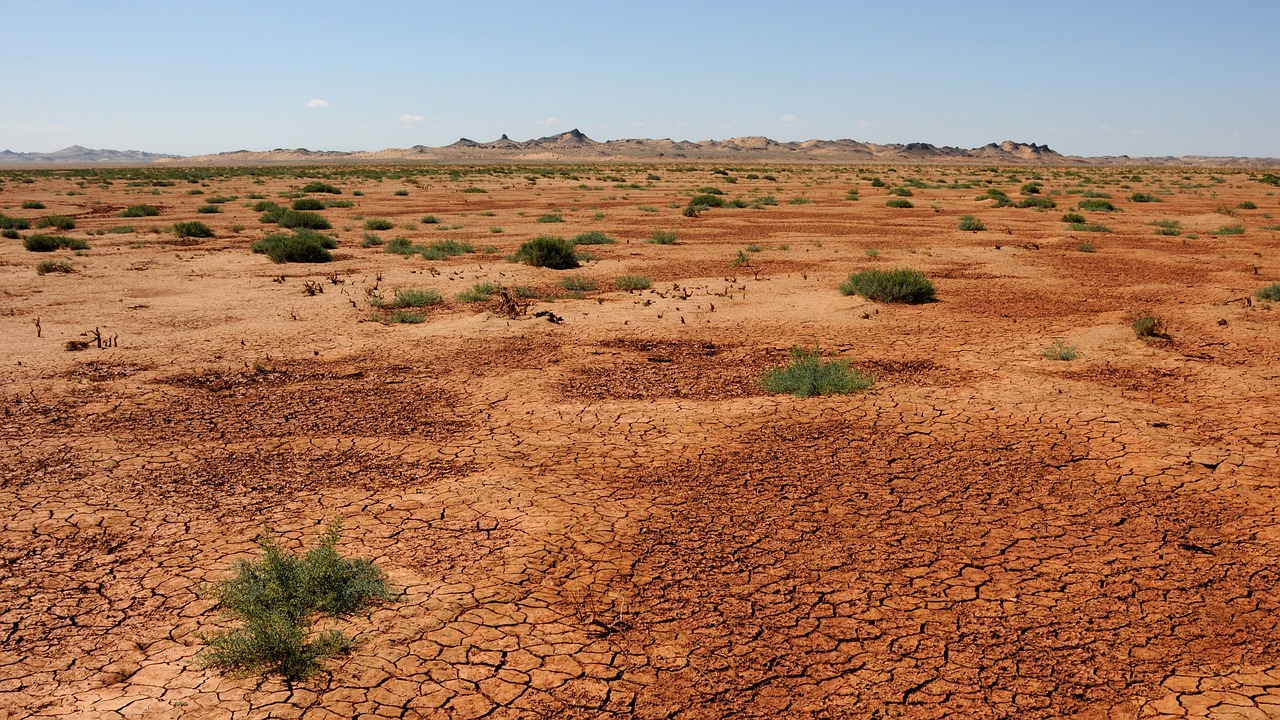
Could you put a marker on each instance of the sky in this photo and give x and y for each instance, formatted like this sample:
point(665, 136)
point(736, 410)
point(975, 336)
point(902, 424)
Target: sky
point(1086, 78)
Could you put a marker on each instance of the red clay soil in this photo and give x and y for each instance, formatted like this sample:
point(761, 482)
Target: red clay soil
point(608, 516)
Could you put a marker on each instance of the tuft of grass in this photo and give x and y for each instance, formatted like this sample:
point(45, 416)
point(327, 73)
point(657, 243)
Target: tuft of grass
point(208, 209)
point(407, 317)
point(192, 229)
point(401, 193)
point(58, 222)
point(852, 195)
point(378, 224)
point(480, 292)
point(371, 240)
point(1247, 205)
point(1060, 351)
point(44, 267)
point(547, 251)
point(1096, 205)
point(49, 243)
point(899, 203)
point(1167, 227)
point(1148, 327)
point(32, 205)
point(406, 298)
point(594, 237)
point(663, 237)
point(1039, 202)
point(474, 190)
point(445, 249)
point(134, 211)
point(550, 218)
point(632, 283)
point(294, 219)
point(430, 220)
point(999, 196)
point(319, 187)
point(308, 203)
point(1229, 230)
point(10, 234)
point(1144, 198)
point(1085, 248)
point(302, 246)
point(969, 222)
point(578, 283)
point(276, 596)
point(121, 230)
point(889, 286)
point(1270, 292)
point(1088, 227)
point(807, 374)
point(13, 223)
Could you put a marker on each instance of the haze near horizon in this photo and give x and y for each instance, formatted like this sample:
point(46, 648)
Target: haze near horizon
point(1088, 78)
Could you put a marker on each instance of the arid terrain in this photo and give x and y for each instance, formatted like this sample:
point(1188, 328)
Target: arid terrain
point(608, 516)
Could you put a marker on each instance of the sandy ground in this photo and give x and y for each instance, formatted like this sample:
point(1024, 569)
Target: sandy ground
point(608, 517)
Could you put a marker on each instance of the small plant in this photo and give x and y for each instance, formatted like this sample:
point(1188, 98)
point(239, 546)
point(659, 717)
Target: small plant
point(1167, 227)
point(139, 211)
point(1038, 202)
point(1060, 350)
point(371, 240)
point(10, 234)
point(1229, 230)
point(474, 190)
point(13, 223)
point(1096, 205)
point(302, 246)
point(121, 230)
point(58, 222)
point(899, 203)
point(1148, 327)
point(1247, 205)
point(808, 374)
point(550, 218)
point(663, 237)
point(430, 220)
point(378, 224)
point(1031, 188)
point(971, 223)
point(208, 209)
point(408, 317)
point(401, 193)
point(1085, 248)
point(901, 192)
point(49, 243)
point(32, 205)
point(406, 298)
point(308, 203)
point(878, 183)
point(445, 249)
point(632, 283)
point(852, 195)
point(192, 229)
point(1073, 218)
point(999, 196)
point(871, 253)
point(480, 292)
point(319, 187)
point(593, 238)
point(578, 283)
point(889, 286)
point(1144, 198)
point(547, 251)
point(44, 267)
point(277, 595)
point(1270, 292)
point(1088, 227)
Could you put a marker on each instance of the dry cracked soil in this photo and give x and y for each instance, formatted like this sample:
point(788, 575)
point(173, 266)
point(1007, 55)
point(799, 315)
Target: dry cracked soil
point(608, 516)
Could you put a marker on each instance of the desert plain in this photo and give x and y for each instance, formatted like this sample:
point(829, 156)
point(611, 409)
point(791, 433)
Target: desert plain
point(608, 516)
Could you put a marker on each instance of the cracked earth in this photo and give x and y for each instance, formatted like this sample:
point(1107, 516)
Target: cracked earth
point(608, 517)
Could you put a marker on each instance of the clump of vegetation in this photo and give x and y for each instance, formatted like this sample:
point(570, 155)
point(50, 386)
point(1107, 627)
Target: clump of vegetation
point(1060, 350)
point(430, 220)
point(403, 316)
point(1073, 218)
point(378, 224)
point(480, 292)
point(852, 195)
point(1247, 205)
point(594, 237)
point(1270, 292)
point(208, 209)
point(969, 222)
point(58, 222)
point(319, 187)
point(445, 249)
point(889, 286)
point(49, 243)
point(44, 267)
point(13, 223)
point(308, 203)
point(899, 203)
point(1000, 198)
point(1144, 198)
point(1148, 327)
point(275, 598)
point(1088, 227)
point(632, 283)
point(139, 211)
point(547, 251)
point(192, 229)
point(1085, 247)
point(292, 219)
point(663, 237)
point(901, 192)
point(1031, 188)
point(32, 205)
point(408, 298)
point(1038, 202)
point(474, 190)
point(808, 374)
point(1167, 227)
point(301, 246)
point(578, 283)
point(1096, 205)
point(550, 218)
point(10, 234)
point(1229, 230)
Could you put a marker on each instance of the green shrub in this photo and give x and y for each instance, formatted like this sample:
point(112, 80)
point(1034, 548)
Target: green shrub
point(899, 203)
point(445, 249)
point(1229, 230)
point(578, 283)
point(371, 240)
point(1144, 198)
point(808, 374)
point(139, 211)
point(474, 190)
point(998, 195)
point(706, 201)
point(878, 183)
point(852, 195)
point(58, 222)
point(1248, 205)
point(480, 292)
point(1167, 227)
point(405, 298)
point(901, 192)
point(1088, 227)
point(430, 220)
point(192, 229)
point(1039, 202)
point(319, 187)
point(266, 206)
point(632, 283)
point(1085, 248)
point(208, 209)
point(45, 267)
point(1060, 351)
point(890, 286)
point(1148, 326)
point(308, 203)
point(969, 222)
point(378, 224)
point(10, 234)
point(663, 237)
point(49, 243)
point(401, 193)
point(1096, 205)
point(276, 596)
point(548, 251)
point(1073, 218)
point(13, 223)
point(1270, 292)
point(32, 205)
point(550, 218)
point(594, 237)
point(1030, 188)
point(302, 246)
point(403, 317)
point(402, 246)
point(121, 230)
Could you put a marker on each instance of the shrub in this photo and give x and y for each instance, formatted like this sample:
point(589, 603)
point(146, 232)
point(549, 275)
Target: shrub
point(58, 222)
point(593, 238)
point(266, 206)
point(852, 195)
point(1038, 201)
point(13, 223)
point(208, 209)
point(899, 203)
point(302, 246)
point(430, 220)
point(402, 246)
point(121, 230)
point(969, 222)
point(49, 243)
point(808, 374)
point(547, 251)
point(1030, 188)
point(1060, 351)
point(139, 211)
point(276, 595)
point(1229, 230)
point(414, 298)
point(706, 201)
point(1085, 247)
point(1096, 205)
point(1088, 227)
point(401, 193)
point(878, 183)
point(891, 286)
point(192, 229)
point(445, 249)
point(474, 190)
point(901, 192)
point(1148, 326)
point(1248, 205)
point(1167, 227)
point(632, 283)
point(10, 234)
point(550, 218)
point(32, 205)
point(1144, 198)
point(45, 267)
point(663, 237)
point(307, 203)
point(998, 195)
point(480, 292)
point(578, 283)
point(319, 187)
point(378, 224)
point(1270, 292)
point(1073, 218)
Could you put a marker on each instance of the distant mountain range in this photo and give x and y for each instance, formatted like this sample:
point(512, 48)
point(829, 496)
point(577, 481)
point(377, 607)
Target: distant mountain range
point(573, 146)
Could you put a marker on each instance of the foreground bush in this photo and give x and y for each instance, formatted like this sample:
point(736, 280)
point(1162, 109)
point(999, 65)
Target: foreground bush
point(303, 246)
point(49, 243)
point(139, 211)
point(1270, 292)
point(547, 251)
point(890, 286)
point(277, 595)
point(192, 229)
point(808, 374)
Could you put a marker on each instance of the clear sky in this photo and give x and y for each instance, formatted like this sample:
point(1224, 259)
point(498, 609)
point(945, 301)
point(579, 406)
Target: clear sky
point(1086, 77)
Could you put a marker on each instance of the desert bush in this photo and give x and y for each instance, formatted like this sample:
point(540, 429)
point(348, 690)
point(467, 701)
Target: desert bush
point(1073, 218)
point(632, 283)
point(32, 205)
point(852, 195)
point(319, 187)
point(58, 222)
point(480, 292)
point(878, 183)
point(547, 251)
point(192, 229)
point(474, 190)
point(1096, 205)
point(49, 243)
point(308, 203)
point(1085, 247)
point(402, 246)
point(1144, 198)
point(209, 209)
point(550, 218)
point(663, 237)
point(969, 222)
point(378, 224)
point(899, 203)
point(430, 220)
point(44, 267)
point(13, 223)
point(266, 206)
point(1001, 199)
point(706, 201)
point(407, 317)
point(121, 230)
point(301, 246)
point(901, 192)
point(1038, 202)
point(1270, 292)
point(276, 596)
point(10, 234)
point(1229, 230)
point(1060, 351)
point(445, 249)
point(1167, 227)
point(1088, 227)
point(578, 283)
point(1147, 327)
point(139, 211)
point(808, 374)
point(1031, 188)
point(1247, 205)
point(890, 286)
point(405, 298)
point(593, 238)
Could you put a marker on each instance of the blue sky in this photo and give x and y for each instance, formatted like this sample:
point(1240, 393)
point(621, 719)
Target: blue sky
point(1086, 78)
